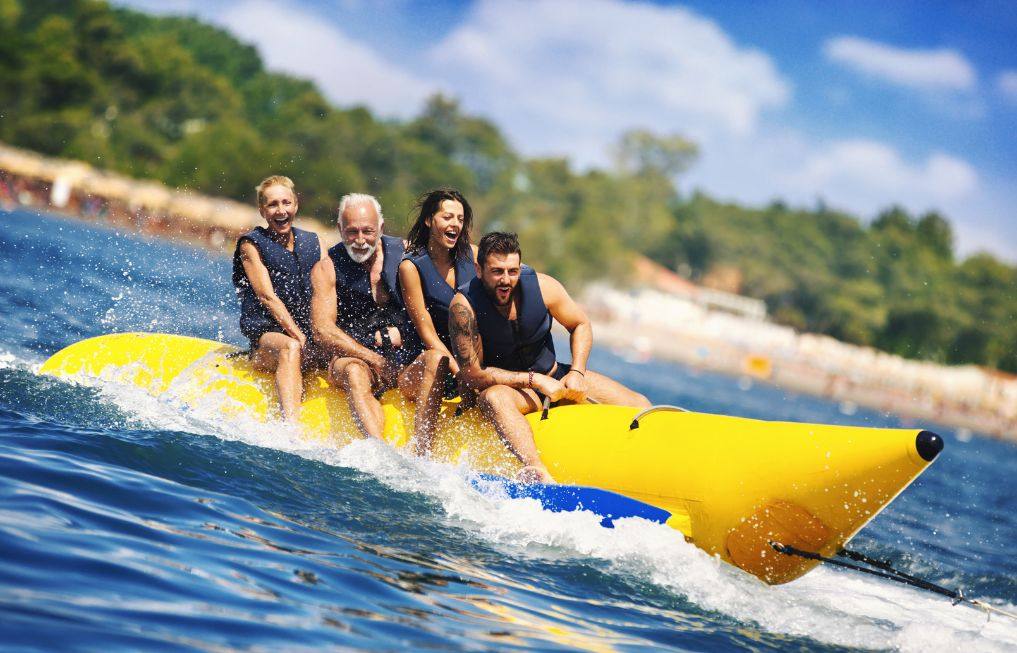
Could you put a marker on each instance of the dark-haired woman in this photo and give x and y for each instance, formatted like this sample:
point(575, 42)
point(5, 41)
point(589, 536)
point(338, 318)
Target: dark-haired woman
point(440, 259)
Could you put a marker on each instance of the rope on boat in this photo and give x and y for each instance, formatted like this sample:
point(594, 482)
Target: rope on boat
point(883, 569)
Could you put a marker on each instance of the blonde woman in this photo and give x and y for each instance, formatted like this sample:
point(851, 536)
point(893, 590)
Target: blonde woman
point(272, 274)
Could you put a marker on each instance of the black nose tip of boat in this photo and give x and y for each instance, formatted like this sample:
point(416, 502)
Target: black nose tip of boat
point(929, 445)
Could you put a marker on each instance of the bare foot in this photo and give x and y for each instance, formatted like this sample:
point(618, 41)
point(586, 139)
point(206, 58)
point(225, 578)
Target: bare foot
point(534, 474)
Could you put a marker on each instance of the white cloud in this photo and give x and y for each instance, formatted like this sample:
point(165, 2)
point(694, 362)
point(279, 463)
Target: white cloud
point(175, 7)
point(347, 71)
point(861, 177)
point(569, 76)
point(1006, 82)
point(923, 69)
point(858, 171)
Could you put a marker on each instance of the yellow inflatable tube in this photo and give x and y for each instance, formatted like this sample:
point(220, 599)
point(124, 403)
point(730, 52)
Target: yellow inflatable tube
point(733, 486)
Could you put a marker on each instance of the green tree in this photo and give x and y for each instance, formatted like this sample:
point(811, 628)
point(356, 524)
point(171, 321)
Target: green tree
point(641, 152)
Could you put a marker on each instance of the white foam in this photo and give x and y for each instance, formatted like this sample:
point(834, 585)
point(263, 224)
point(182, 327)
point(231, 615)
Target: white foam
point(827, 605)
point(830, 606)
point(13, 361)
point(9, 361)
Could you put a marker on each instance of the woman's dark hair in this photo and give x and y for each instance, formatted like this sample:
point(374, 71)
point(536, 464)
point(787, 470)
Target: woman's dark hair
point(427, 205)
point(497, 242)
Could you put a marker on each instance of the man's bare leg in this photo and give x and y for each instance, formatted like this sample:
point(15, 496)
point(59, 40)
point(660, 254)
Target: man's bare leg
point(422, 382)
point(356, 380)
point(505, 407)
point(606, 390)
point(280, 354)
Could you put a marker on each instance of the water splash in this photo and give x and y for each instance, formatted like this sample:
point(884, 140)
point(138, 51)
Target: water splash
point(828, 606)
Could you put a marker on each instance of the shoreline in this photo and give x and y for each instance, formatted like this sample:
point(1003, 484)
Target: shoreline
point(965, 398)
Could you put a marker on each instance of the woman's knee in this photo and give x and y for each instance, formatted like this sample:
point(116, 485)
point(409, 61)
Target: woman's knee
point(290, 351)
point(424, 369)
point(432, 358)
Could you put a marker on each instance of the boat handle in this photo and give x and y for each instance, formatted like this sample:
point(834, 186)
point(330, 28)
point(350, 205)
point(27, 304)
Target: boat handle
point(546, 406)
point(663, 408)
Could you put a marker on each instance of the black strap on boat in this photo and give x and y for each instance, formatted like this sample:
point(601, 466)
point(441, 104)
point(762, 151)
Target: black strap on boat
point(883, 569)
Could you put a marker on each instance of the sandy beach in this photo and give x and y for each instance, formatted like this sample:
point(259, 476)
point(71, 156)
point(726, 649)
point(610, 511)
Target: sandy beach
point(645, 323)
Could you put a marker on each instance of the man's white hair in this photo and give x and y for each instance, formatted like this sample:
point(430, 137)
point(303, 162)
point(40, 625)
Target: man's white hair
point(352, 199)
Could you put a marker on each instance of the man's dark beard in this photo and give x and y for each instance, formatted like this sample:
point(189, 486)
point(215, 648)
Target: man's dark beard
point(493, 294)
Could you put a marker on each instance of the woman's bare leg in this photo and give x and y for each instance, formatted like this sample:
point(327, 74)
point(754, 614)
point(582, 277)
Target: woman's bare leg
point(422, 382)
point(280, 354)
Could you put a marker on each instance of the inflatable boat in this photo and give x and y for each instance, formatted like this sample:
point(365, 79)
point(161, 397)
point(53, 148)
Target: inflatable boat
point(734, 487)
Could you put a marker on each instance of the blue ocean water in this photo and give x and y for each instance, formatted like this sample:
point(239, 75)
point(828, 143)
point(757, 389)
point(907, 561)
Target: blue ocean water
point(130, 524)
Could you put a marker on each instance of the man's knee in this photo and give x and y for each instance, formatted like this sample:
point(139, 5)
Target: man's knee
point(351, 372)
point(496, 396)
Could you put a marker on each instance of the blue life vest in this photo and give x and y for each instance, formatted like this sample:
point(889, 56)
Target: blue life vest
point(359, 315)
point(290, 273)
point(522, 345)
point(437, 293)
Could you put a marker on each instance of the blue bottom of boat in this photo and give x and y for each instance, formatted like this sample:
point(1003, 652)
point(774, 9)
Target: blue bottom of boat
point(609, 506)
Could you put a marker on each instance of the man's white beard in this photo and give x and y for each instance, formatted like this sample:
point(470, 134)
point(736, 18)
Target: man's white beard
point(361, 256)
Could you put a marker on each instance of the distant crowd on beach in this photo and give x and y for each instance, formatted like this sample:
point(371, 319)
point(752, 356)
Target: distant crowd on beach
point(149, 218)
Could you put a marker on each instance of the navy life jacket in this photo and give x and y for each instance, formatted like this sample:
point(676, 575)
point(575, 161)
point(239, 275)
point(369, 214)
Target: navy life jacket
point(519, 346)
point(359, 315)
point(437, 293)
point(290, 273)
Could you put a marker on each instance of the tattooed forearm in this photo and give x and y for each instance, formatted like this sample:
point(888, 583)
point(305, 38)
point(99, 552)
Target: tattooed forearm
point(469, 353)
point(465, 337)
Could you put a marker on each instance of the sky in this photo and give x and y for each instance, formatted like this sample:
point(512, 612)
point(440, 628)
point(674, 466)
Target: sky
point(859, 105)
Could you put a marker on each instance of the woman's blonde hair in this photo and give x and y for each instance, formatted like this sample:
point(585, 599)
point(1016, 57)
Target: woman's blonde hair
point(273, 180)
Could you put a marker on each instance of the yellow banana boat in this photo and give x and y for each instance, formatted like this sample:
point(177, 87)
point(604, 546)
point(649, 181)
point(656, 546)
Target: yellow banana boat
point(732, 486)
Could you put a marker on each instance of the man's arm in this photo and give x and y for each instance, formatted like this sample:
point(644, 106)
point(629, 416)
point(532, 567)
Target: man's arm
point(567, 313)
point(261, 284)
point(565, 310)
point(324, 309)
point(469, 354)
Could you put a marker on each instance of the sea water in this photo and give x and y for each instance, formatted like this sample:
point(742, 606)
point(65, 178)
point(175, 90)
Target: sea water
point(129, 523)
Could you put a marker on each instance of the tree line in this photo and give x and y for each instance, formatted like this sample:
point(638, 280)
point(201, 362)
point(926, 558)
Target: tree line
point(177, 100)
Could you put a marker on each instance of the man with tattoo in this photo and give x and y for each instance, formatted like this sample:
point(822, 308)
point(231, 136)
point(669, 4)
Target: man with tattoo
point(500, 324)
